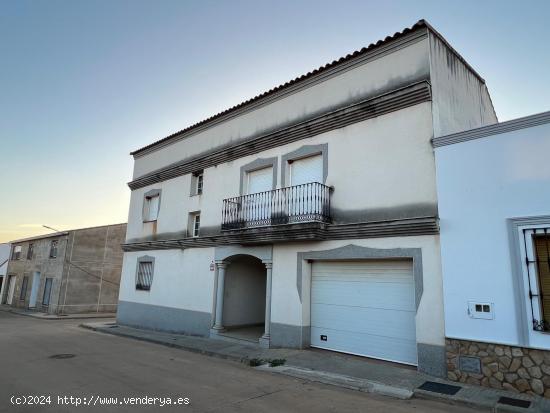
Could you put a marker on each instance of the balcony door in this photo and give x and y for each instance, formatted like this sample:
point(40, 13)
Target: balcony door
point(304, 199)
point(257, 204)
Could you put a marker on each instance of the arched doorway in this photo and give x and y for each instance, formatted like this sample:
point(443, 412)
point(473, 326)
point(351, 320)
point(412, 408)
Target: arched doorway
point(242, 294)
point(244, 298)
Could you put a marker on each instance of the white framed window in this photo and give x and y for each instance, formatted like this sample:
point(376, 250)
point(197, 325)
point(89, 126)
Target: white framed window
point(197, 183)
point(196, 224)
point(151, 209)
point(16, 252)
point(144, 276)
point(200, 179)
point(530, 248)
point(53, 248)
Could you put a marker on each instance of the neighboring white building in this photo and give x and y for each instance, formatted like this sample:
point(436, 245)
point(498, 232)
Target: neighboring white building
point(5, 249)
point(494, 206)
point(307, 216)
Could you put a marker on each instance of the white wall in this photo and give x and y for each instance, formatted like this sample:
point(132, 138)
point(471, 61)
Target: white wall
point(4, 256)
point(407, 63)
point(5, 250)
point(482, 183)
point(461, 100)
point(182, 279)
point(391, 156)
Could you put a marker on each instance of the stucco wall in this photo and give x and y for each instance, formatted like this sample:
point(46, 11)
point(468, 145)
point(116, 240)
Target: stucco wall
point(461, 100)
point(182, 279)
point(481, 183)
point(390, 156)
point(4, 256)
point(288, 309)
point(387, 72)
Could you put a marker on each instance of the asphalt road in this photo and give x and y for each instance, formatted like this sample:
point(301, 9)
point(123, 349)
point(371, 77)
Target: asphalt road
point(106, 367)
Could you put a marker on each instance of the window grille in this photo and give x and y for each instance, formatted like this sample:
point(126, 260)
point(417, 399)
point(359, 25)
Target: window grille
point(536, 243)
point(144, 275)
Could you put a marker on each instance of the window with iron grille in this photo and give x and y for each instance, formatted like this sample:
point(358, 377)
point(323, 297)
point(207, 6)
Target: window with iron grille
point(53, 248)
point(144, 278)
point(536, 246)
point(24, 286)
point(30, 251)
point(16, 252)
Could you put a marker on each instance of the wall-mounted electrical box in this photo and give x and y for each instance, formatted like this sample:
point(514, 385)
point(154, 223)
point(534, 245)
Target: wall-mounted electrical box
point(481, 310)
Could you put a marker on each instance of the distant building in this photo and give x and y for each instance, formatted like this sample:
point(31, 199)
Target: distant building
point(4, 257)
point(76, 271)
point(494, 208)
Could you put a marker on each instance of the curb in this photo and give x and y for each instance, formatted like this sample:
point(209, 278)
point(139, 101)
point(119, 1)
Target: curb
point(57, 317)
point(488, 402)
point(106, 330)
point(367, 386)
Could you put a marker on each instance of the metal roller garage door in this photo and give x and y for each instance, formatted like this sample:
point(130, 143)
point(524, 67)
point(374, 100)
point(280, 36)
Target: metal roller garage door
point(365, 308)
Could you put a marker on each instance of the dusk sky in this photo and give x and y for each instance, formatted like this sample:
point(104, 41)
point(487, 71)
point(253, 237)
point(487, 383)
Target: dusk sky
point(82, 83)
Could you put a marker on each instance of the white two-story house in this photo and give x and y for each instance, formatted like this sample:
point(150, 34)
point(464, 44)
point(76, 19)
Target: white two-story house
point(307, 215)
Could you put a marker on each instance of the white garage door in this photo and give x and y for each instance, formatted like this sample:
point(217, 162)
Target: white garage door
point(365, 308)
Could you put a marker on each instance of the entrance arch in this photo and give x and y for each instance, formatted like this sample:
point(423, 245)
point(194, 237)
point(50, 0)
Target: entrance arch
point(243, 291)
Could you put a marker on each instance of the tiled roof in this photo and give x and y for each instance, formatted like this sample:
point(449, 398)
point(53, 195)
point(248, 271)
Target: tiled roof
point(418, 25)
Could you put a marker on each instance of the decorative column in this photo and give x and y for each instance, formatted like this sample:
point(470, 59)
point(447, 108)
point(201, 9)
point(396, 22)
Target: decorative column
point(265, 339)
point(218, 323)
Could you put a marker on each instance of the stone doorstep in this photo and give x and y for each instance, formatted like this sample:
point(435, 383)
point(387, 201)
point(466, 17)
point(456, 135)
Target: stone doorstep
point(404, 388)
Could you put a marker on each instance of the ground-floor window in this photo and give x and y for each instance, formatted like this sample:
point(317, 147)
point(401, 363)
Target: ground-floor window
point(47, 291)
point(144, 277)
point(536, 246)
point(24, 286)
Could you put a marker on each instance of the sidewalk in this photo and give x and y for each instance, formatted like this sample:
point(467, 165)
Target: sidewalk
point(47, 316)
point(337, 369)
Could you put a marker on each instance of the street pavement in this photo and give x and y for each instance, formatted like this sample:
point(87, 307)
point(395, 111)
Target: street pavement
point(115, 374)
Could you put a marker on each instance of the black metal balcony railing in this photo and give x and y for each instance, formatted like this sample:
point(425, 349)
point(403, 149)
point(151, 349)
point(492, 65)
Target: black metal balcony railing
point(293, 204)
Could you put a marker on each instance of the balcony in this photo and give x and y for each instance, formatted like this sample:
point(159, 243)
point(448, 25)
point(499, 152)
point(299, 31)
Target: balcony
point(307, 203)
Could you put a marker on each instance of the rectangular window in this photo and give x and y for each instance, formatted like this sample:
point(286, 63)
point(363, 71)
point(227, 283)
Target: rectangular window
point(196, 224)
point(47, 291)
point(144, 275)
point(197, 179)
point(53, 248)
point(199, 183)
point(30, 251)
point(152, 207)
point(16, 252)
point(541, 245)
point(24, 286)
